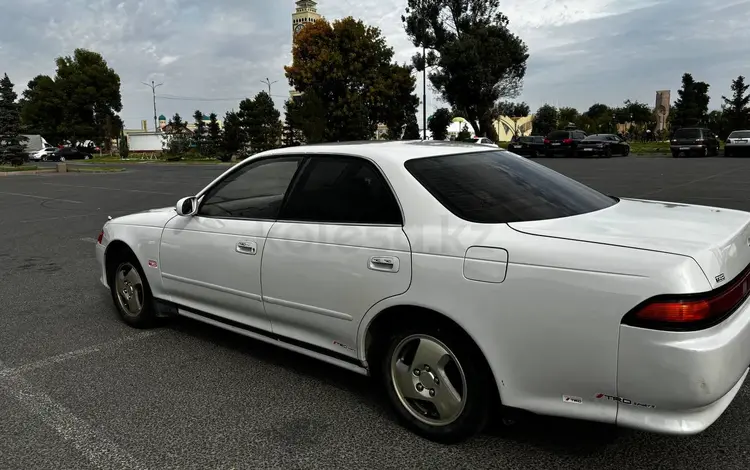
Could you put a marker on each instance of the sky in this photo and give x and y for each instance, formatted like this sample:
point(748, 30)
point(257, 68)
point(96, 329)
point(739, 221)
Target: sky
point(211, 54)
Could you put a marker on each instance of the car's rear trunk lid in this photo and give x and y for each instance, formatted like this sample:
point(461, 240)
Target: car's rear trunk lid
point(718, 239)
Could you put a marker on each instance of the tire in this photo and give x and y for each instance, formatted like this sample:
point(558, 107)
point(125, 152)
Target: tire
point(608, 153)
point(626, 152)
point(86, 157)
point(533, 154)
point(62, 159)
point(705, 152)
point(727, 153)
point(132, 285)
point(675, 154)
point(455, 374)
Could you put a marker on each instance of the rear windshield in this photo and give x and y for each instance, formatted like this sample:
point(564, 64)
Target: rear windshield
point(740, 135)
point(558, 135)
point(499, 187)
point(528, 139)
point(688, 134)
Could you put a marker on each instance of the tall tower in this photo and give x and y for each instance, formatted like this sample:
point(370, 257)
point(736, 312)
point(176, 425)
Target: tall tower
point(306, 13)
point(661, 109)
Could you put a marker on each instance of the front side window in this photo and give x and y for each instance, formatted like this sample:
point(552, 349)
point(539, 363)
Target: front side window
point(336, 189)
point(255, 191)
point(500, 187)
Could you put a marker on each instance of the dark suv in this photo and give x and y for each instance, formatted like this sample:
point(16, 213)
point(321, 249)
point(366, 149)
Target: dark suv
point(563, 142)
point(697, 141)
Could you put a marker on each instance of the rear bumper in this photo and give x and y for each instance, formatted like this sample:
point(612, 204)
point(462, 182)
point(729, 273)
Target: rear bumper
point(688, 149)
point(681, 382)
point(740, 150)
point(558, 150)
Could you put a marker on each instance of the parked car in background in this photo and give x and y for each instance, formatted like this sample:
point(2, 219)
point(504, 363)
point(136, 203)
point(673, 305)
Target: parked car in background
point(564, 143)
point(694, 141)
point(603, 145)
point(68, 153)
point(737, 144)
point(483, 141)
point(545, 296)
point(43, 154)
point(530, 146)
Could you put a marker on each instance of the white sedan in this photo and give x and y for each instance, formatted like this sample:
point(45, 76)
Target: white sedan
point(464, 279)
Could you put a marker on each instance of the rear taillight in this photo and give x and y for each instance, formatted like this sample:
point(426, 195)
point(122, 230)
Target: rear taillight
point(546, 141)
point(567, 141)
point(99, 238)
point(691, 312)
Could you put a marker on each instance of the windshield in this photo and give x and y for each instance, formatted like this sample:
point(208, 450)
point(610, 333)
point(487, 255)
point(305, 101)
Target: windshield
point(739, 135)
point(558, 135)
point(688, 134)
point(500, 187)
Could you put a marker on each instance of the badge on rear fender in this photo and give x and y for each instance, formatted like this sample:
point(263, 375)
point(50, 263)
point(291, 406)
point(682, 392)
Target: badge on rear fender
point(720, 277)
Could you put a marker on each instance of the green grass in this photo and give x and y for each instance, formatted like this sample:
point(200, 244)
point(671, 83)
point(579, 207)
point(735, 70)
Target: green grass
point(8, 169)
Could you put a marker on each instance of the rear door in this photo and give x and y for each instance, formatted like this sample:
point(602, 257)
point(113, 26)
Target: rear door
point(337, 249)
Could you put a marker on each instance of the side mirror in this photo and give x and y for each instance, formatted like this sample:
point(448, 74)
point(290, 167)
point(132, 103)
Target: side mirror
point(187, 206)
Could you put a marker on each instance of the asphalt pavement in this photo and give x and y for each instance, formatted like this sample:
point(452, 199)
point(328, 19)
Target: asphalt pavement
point(80, 390)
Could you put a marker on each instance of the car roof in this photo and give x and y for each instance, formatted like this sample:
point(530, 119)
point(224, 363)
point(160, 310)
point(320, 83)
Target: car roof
point(382, 150)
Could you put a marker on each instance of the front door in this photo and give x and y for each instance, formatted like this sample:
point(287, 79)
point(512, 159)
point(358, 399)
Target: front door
point(338, 249)
point(210, 262)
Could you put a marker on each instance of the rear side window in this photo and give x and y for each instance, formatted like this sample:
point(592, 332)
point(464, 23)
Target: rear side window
point(500, 187)
point(688, 134)
point(342, 190)
point(558, 135)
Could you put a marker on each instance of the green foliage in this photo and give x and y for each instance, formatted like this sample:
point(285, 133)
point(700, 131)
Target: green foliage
point(348, 81)
point(691, 108)
point(212, 145)
point(177, 136)
point(12, 147)
point(464, 134)
point(545, 120)
point(567, 114)
point(42, 108)
point(458, 36)
point(199, 134)
point(439, 122)
point(233, 140)
point(411, 131)
point(737, 112)
point(123, 147)
point(719, 123)
point(511, 109)
point(261, 122)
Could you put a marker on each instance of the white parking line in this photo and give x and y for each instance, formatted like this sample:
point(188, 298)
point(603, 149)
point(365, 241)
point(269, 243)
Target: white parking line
point(99, 450)
point(41, 197)
point(108, 189)
point(74, 354)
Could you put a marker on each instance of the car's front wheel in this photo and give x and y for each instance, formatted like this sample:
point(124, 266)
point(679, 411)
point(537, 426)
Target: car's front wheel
point(131, 293)
point(438, 383)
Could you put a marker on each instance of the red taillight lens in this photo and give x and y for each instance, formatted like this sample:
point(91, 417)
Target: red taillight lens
point(99, 239)
point(546, 141)
point(694, 311)
point(567, 141)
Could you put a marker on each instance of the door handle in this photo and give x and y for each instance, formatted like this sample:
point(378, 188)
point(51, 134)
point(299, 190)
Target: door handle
point(246, 247)
point(384, 263)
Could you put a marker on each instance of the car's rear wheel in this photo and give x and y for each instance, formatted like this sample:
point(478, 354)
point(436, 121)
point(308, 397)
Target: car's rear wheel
point(438, 382)
point(131, 293)
point(62, 159)
point(608, 152)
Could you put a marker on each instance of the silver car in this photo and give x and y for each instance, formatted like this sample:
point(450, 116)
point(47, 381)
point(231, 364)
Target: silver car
point(738, 143)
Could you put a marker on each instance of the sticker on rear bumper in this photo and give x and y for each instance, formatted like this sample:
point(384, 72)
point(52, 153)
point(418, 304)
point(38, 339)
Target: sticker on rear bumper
point(624, 401)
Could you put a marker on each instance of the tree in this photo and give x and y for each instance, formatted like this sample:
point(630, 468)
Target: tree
point(199, 134)
point(214, 134)
point(691, 107)
point(458, 36)
point(261, 122)
point(123, 147)
point(545, 120)
point(79, 104)
point(438, 123)
point(411, 131)
point(464, 134)
point(12, 146)
point(718, 122)
point(233, 138)
point(639, 113)
point(567, 114)
point(737, 112)
point(348, 82)
point(178, 135)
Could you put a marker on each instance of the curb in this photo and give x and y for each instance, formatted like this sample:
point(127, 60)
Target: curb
point(31, 172)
